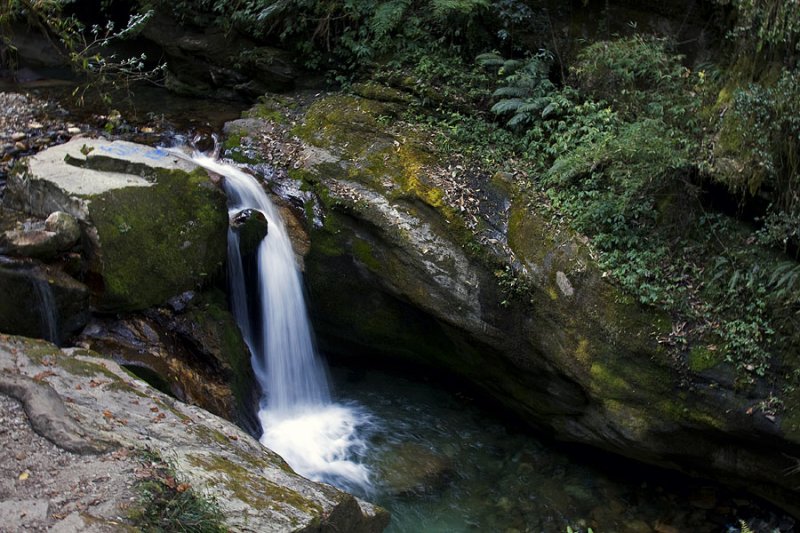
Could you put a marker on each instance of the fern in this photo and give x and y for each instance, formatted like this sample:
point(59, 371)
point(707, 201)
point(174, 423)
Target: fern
point(387, 18)
point(507, 105)
point(785, 281)
point(526, 91)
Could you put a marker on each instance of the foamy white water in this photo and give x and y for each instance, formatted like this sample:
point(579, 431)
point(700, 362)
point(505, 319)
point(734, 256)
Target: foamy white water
point(318, 439)
point(321, 443)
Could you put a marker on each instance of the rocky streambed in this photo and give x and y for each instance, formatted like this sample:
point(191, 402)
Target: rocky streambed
point(409, 260)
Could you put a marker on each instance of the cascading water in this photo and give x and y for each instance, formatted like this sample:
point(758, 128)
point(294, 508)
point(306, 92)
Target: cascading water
point(318, 438)
point(47, 310)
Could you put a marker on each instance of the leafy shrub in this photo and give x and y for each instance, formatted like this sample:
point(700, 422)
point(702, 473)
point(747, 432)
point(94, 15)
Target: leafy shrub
point(617, 184)
point(638, 76)
point(761, 129)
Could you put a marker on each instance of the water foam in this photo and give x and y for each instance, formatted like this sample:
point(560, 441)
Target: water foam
point(318, 438)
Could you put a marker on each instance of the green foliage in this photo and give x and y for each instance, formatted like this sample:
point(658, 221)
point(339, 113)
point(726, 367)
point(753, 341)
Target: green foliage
point(526, 93)
point(766, 26)
point(617, 156)
point(638, 76)
point(762, 130)
point(167, 505)
point(615, 183)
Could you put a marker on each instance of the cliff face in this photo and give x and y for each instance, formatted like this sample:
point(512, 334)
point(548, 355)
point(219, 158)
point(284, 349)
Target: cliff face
point(409, 263)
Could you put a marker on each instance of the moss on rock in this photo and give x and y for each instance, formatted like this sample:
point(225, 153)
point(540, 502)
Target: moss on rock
point(159, 241)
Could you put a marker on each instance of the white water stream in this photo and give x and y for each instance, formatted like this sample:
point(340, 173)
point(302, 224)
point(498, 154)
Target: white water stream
point(47, 310)
point(318, 438)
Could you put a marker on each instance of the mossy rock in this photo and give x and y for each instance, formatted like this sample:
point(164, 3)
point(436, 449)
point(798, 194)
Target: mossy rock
point(159, 241)
point(343, 123)
point(153, 224)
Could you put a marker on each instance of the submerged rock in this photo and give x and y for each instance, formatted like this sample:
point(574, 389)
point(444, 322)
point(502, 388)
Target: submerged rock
point(153, 223)
point(413, 469)
point(103, 408)
point(251, 226)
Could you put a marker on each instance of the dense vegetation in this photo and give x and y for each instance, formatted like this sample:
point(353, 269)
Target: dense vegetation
point(683, 175)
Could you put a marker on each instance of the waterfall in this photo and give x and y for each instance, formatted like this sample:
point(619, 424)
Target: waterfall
point(318, 438)
point(47, 309)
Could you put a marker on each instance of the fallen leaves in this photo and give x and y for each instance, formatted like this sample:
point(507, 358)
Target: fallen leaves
point(41, 376)
point(24, 475)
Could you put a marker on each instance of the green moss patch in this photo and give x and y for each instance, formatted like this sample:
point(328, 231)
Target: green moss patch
point(159, 241)
point(702, 358)
point(346, 123)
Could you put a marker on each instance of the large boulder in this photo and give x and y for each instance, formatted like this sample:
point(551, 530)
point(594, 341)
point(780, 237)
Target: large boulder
point(90, 406)
point(415, 261)
point(153, 223)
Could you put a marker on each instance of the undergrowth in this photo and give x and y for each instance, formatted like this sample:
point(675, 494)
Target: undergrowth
point(620, 152)
point(167, 505)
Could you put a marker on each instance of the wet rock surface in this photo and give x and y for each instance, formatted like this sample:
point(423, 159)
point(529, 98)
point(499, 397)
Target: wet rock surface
point(153, 223)
point(191, 349)
point(491, 288)
point(255, 488)
point(40, 301)
point(251, 226)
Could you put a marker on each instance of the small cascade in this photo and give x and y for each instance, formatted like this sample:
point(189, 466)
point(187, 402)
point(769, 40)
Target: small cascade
point(47, 309)
point(318, 438)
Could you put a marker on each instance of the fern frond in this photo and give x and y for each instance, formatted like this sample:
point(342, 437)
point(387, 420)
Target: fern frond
point(510, 92)
point(519, 118)
point(533, 106)
point(388, 17)
point(490, 59)
point(508, 105)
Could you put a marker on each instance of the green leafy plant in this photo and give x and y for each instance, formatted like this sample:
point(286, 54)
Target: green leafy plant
point(526, 93)
point(639, 77)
